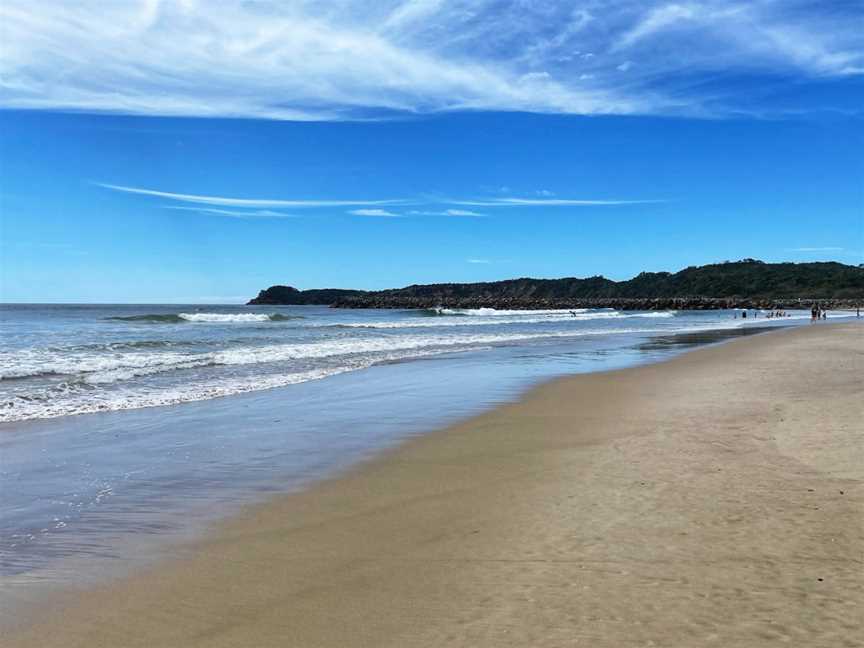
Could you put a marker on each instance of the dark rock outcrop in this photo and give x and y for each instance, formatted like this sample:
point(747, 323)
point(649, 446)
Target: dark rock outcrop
point(626, 303)
point(278, 295)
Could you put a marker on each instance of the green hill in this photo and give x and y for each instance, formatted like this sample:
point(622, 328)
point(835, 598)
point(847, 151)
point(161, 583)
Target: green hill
point(719, 285)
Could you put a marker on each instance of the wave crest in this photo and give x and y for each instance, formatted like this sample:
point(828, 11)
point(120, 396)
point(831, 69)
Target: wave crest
point(215, 318)
point(494, 312)
point(491, 317)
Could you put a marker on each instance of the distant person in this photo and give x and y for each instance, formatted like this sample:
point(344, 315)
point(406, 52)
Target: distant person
point(824, 314)
point(814, 313)
point(743, 314)
point(858, 312)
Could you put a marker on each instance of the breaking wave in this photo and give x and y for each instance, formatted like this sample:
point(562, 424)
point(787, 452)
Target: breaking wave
point(78, 364)
point(84, 380)
point(216, 318)
point(491, 317)
point(494, 312)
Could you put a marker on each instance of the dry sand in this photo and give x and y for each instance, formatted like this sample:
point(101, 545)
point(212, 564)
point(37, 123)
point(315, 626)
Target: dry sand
point(713, 500)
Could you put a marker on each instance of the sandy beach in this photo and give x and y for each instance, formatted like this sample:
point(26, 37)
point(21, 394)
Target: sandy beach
point(716, 499)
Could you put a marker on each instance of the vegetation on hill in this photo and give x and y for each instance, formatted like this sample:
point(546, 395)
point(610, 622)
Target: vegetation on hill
point(740, 280)
point(290, 295)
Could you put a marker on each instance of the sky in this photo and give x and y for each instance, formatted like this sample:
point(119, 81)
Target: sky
point(190, 152)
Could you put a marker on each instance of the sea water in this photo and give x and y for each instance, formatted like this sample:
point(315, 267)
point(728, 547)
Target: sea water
point(130, 424)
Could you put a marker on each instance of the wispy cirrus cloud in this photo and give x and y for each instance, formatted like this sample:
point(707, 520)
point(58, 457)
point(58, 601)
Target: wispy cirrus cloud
point(755, 34)
point(263, 207)
point(351, 59)
point(243, 202)
point(381, 213)
point(447, 212)
point(548, 202)
point(254, 213)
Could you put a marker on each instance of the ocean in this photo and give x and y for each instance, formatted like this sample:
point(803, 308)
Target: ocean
point(130, 426)
point(65, 360)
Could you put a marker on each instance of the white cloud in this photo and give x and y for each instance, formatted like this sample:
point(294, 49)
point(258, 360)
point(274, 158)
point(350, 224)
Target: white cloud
point(781, 37)
point(411, 12)
point(258, 207)
point(484, 261)
point(222, 201)
point(255, 213)
point(548, 202)
point(446, 212)
point(626, 65)
point(656, 20)
point(374, 212)
point(301, 60)
point(292, 60)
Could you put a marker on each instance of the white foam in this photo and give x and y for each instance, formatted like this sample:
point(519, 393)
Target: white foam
point(35, 362)
point(116, 366)
point(124, 399)
point(90, 395)
point(494, 312)
point(222, 318)
point(651, 314)
point(78, 402)
point(505, 317)
point(117, 375)
point(363, 345)
point(111, 377)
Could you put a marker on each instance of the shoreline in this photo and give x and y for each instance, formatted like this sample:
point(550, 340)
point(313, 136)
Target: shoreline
point(431, 396)
point(409, 510)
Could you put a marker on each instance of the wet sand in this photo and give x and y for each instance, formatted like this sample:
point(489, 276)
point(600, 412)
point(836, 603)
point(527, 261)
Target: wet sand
point(713, 500)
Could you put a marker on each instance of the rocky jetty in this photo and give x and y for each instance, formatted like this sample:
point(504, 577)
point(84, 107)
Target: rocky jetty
point(740, 284)
point(647, 304)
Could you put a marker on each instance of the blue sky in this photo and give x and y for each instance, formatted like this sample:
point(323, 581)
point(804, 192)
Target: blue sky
point(155, 151)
